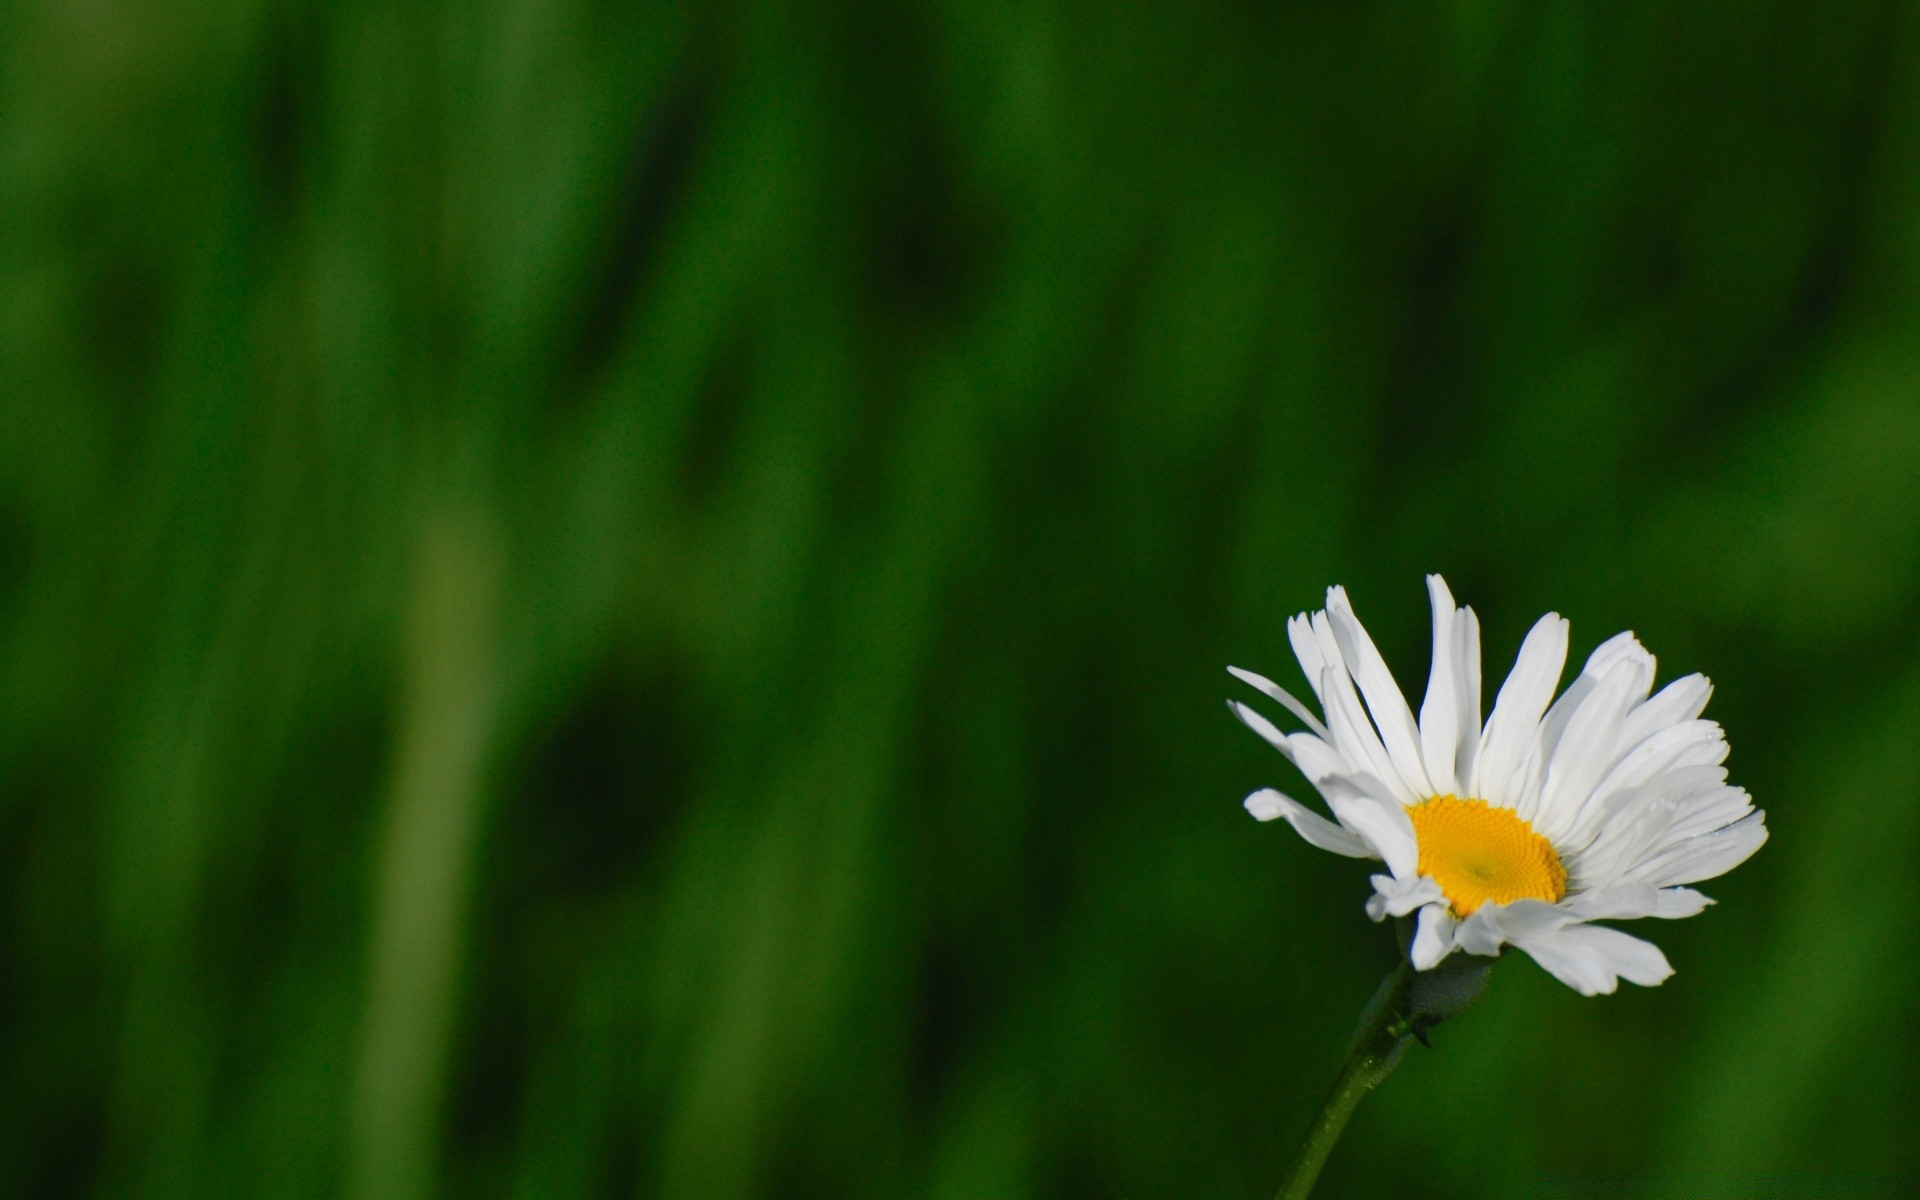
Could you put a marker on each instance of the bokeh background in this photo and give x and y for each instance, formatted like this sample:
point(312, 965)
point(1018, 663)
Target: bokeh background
point(630, 600)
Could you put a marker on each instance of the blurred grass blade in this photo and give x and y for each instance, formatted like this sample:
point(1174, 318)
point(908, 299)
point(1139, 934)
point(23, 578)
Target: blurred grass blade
point(423, 863)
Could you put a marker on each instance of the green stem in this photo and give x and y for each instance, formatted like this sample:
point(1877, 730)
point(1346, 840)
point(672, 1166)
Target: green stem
point(1377, 1045)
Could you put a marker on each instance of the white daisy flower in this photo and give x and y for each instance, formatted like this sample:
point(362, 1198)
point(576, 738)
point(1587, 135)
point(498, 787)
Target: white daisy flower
point(1596, 806)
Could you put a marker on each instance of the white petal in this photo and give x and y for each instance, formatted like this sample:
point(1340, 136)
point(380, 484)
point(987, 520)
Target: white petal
point(1682, 700)
point(1364, 805)
point(1618, 648)
point(1589, 746)
point(1480, 933)
point(1574, 963)
point(1354, 736)
point(1276, 692)
point(1398, 897)
point(1672, 748)
point(1267, 804)
point(1621, 647)
point(1634, 830)
point(1633, 901)
point(1513, 729)
point(1705, 856)
point(1641, 830)
point(1592, 959)
point(1466, 657)
point(1260, 725)
point(1708, 810)
point(1526, 918)
point(1432, 938)
point(1636, 960)
point(1319, 762)
point(1440, 711)
point(1385, 701)
point(1306, 648)
point(1316, 760)
point(1493, 925)
point(1678, 903)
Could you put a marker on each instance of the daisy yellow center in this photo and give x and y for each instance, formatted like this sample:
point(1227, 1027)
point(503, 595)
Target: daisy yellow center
point(1479, 854)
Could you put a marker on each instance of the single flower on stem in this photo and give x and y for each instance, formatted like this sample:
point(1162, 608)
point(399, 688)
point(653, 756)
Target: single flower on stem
point(1524, 830)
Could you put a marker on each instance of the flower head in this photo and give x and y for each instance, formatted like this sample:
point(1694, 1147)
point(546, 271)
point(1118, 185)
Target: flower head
point(1554, 813)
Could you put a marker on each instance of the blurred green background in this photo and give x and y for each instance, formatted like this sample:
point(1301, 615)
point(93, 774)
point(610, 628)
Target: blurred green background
point(631, 601)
